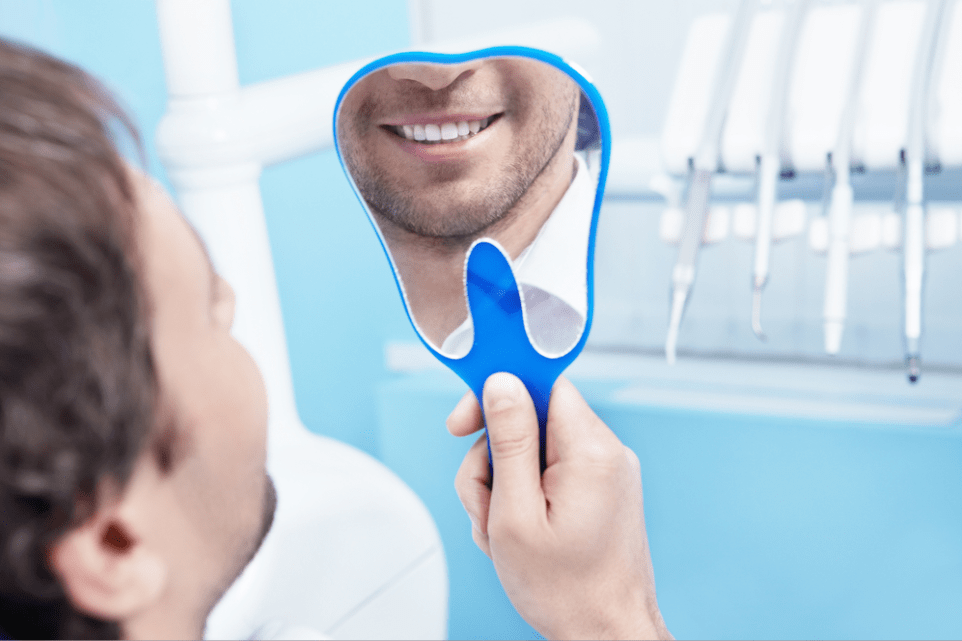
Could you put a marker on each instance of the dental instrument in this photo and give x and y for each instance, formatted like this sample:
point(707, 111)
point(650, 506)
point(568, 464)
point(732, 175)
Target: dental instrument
point(839, 204)
point(769, 161)
point(910, 196)
point(703, 165)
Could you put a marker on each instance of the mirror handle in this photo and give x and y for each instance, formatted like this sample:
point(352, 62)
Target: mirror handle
point(501, 343)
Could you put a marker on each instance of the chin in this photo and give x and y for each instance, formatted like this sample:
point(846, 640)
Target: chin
point(244, 557)
point(267, 514)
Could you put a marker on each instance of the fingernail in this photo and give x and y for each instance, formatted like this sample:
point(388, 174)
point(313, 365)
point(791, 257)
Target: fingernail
point(501, 391)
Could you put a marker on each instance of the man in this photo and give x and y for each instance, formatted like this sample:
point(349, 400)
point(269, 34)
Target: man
point(444, 154)
point(133, 431)
point(133, 485)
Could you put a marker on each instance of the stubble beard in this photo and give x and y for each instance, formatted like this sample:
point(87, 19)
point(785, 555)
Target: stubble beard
point(446, 214)
point(246, 555)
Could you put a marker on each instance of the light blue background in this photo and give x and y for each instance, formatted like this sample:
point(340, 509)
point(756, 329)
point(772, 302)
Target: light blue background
point(758, 527)
point(767, 528)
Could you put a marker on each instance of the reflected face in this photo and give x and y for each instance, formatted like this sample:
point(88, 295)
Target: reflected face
point(502, 149)
point(446, 151)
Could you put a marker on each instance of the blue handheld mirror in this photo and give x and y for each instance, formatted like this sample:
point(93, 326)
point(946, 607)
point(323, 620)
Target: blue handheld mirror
point(482, 174)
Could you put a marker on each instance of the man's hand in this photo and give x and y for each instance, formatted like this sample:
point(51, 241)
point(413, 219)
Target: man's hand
point(570, 546)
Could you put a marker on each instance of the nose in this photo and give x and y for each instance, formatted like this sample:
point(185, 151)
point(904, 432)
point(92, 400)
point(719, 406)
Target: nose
point(433, 76)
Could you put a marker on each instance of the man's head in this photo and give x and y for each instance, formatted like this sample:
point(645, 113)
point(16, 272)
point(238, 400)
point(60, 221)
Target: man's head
point(132, 425)
point(448, 151)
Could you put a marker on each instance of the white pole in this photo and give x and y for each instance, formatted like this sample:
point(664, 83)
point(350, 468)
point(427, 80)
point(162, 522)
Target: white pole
point(220, 196)
point(197, 39)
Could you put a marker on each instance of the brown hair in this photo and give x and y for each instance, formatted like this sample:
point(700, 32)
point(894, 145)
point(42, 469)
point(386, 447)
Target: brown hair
point(77, 383)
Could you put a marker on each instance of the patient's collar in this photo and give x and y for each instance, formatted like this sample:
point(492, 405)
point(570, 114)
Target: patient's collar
point(555, 262)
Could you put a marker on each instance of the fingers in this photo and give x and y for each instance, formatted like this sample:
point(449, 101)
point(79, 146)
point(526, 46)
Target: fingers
point(472, 484)
point(473, 481)
point(513, 432)
point(512, 426)
point(481, 540)
point(574, 430)
point(465, 418)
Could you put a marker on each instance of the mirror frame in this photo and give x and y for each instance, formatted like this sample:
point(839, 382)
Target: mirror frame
point(504, 352)
point(597, 104)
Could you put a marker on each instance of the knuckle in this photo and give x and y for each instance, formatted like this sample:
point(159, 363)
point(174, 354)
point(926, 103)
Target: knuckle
point(610, 463)
point(461, 473)
point(461, 482)
point(482, 542)
point(473, 470)
point(634, 463)
point(604, 455)
point(509, 412)
point(463, 495)
point(473, 494)
point(513, 445)
point(633, 469)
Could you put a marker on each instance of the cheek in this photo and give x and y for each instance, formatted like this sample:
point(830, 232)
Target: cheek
point(547, 104)
point(247, 397)
point(228, 405)
point(222, 480)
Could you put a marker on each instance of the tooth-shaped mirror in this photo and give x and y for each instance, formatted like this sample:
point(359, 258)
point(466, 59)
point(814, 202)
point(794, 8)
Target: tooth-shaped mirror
point(482, 174)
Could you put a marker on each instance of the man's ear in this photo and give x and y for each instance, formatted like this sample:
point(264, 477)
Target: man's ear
point(105, 571)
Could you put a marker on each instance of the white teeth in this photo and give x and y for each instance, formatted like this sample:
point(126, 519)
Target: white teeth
point(445, 132)
point(449, 131)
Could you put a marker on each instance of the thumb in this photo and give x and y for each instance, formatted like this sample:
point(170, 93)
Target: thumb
point(512, 425)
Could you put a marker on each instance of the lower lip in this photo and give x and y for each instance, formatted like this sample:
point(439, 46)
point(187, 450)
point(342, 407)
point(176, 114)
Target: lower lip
point(445, 151)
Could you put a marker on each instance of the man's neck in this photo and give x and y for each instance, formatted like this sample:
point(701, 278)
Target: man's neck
point(167, 619)
point(431, 270)
point(167, 629)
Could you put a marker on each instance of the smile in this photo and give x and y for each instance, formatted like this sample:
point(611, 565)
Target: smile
point(445, 132)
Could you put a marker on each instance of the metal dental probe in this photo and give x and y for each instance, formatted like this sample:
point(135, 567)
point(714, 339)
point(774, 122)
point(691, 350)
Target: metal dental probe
point(703, 165)
point(912, 170)
point(770, 162)
point(838, 166)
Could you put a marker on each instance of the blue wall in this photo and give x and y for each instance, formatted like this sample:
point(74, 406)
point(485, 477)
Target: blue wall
point(759, 527)
point(339, 300)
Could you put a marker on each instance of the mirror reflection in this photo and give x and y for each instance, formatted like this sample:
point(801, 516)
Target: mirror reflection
point(506, 148)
